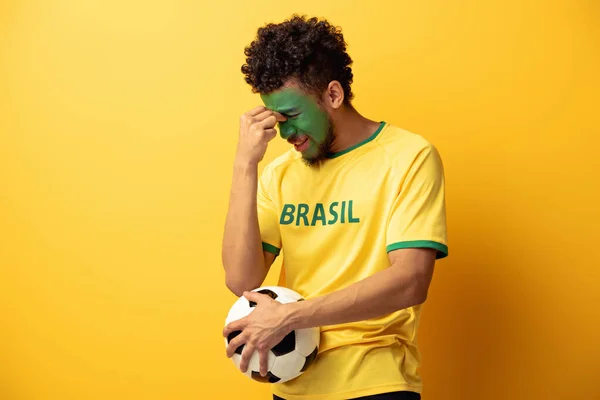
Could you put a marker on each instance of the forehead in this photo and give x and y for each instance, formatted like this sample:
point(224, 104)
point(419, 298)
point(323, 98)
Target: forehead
point(289, 96)
point(283, 97)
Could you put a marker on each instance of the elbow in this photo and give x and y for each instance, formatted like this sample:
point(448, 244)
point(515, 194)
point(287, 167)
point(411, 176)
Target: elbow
point(242, 277)
point(233, 282)
point(237, 286)
point(234, 286)
point(419, 295)
point(419, 286)
point(414, 296)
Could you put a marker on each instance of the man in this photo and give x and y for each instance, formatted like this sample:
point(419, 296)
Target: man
point(357, 207)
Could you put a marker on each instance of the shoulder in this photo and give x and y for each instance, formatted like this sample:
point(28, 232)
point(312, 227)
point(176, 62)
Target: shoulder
point(404, 147)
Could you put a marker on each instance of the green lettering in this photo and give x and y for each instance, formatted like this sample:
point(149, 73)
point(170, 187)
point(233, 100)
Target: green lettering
point(287, 215)
point(343, 213)
point(333, 213)
point(319, 215)
point(302, 212)
point(350, 218)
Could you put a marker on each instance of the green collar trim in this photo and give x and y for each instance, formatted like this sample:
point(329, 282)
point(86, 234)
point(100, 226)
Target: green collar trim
point(367, 140)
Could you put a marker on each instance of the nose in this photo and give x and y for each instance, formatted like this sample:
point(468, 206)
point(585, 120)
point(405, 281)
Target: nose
point(286, 130)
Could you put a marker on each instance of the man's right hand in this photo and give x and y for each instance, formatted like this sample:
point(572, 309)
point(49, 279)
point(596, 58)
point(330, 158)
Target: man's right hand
point(257, 129)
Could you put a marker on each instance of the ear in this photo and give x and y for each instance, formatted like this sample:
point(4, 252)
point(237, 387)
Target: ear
point(334, 95)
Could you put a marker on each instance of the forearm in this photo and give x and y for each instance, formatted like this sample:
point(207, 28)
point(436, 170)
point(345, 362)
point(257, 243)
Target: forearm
point(382, 293)
point(242, 254)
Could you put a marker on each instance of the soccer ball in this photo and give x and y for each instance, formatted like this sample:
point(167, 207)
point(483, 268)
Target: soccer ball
point(291, 356)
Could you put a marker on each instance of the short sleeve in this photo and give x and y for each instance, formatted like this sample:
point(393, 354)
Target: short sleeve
point(418, 215)
point(268, 221)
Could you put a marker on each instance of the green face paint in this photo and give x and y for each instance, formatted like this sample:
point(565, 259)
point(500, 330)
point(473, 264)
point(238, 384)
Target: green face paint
point(305, 119)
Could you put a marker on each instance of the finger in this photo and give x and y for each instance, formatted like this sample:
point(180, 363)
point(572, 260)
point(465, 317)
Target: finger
point(263, 115)
point(267, 123)
point(238, 325)
point(263, 357)
point(246, 354)
point(267, 113)
point(255, 111)
point(280, 117)
point(255, 297)
point(270, 133)
point(234, 344)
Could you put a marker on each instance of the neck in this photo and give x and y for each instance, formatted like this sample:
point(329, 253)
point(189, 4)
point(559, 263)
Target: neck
point(351, 128)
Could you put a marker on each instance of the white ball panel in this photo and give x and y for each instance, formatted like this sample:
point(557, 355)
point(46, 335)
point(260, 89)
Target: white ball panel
point(254, 363)
point(288, 366)
point(239, 310)
point(306, 340)
point(285, 299)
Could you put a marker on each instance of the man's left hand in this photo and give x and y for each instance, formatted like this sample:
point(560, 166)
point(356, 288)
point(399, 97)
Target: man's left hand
point(261, 330)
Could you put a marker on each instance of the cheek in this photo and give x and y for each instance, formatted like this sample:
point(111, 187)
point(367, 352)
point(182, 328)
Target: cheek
point(321, 125)
point(303, 125)
point(314, 125)
point(319, 132)
point(311, 127)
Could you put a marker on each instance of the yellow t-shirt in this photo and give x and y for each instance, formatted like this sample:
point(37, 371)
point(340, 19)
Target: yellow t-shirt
point(335, 225)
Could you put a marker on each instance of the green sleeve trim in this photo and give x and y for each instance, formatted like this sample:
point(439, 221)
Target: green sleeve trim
point(442, 249)
point(270, 248)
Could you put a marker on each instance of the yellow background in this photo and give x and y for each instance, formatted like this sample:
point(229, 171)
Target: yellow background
point(118, 124)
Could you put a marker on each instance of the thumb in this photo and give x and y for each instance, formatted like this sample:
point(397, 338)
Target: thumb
point(280, 117)
point(255, 297)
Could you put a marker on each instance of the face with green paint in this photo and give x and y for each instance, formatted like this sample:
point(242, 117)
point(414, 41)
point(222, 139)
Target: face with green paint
point(308, 127)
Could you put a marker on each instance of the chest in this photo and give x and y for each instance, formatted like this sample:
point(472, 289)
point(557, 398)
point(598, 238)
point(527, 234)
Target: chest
point(355, 196)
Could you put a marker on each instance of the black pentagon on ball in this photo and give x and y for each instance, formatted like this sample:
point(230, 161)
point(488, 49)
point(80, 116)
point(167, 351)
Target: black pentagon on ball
point(269, 378)
point(230, 338)
point(268, 292)
point(287, 345)
point(310, 359)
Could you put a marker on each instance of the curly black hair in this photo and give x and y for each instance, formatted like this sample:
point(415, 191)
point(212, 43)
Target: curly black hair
point(311, 50)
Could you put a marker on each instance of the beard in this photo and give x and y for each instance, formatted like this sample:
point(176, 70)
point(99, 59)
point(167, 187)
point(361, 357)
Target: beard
point(323, 149)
